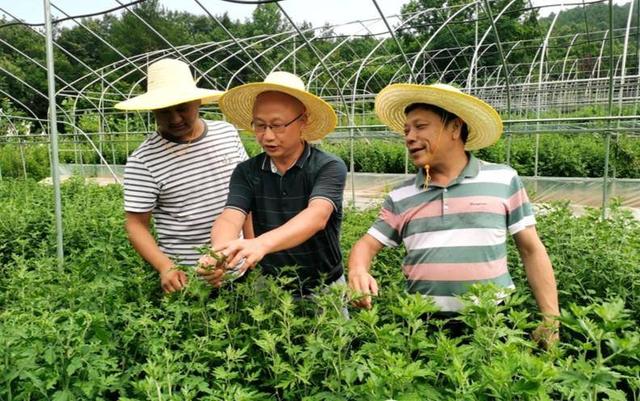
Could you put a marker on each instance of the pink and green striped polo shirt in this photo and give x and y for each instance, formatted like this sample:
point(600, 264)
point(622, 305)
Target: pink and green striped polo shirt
point(455, 236)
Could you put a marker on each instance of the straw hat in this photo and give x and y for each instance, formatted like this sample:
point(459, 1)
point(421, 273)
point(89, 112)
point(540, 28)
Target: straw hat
point(483, 122)
point(237, 104)
point(169, 82)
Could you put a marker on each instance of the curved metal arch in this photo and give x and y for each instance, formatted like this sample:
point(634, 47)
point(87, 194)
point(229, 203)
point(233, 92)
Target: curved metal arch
point(431, 60)
point(353, 75)
point(37, 63)
point(62, 49)
point(370, 54)
point(235, 40)
point(24, 107)
point(395, 39)
point(335, 48)
point(454, 58)
point(264, 38)
point(479, 45)
point(152, 29)
point(451, 17)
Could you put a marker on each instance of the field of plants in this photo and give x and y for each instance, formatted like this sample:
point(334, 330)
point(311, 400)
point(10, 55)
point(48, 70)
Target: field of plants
point(100, 328)
point(560, 155)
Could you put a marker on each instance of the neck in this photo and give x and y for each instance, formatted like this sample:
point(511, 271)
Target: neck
point(449, 169)
point(198, 129)
point(285, 161)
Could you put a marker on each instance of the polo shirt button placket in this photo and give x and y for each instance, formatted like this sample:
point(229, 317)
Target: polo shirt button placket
point(445, 207)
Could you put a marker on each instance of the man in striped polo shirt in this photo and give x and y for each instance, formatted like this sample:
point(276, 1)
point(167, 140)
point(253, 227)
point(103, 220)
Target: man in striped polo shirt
point(453, 217)
point(179, 174)
point(292, 190)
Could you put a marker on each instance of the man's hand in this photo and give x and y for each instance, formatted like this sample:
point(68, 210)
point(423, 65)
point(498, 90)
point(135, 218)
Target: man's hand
point(172, 280)
point(251, 250)
point(212, 276)
point(363, 285)
point(547, 333)
point(211, 268)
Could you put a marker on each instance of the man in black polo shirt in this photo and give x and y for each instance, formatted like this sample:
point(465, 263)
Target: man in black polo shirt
point(292, 190)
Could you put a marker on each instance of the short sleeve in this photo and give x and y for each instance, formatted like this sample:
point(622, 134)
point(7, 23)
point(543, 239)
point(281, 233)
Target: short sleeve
point(519, 210)
point(387, 227)
point(240, 189)
point(240, 150)
point(140, 189)
point(329, 183)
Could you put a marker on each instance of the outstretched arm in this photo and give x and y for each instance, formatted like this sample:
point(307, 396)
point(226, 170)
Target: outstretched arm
point(360, 280)
point(294, 232)
point(137, 226)
point(542, 281)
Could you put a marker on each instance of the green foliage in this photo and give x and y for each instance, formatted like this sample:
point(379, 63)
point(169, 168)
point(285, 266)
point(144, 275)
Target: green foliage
point(100, 329)
point(559, 156)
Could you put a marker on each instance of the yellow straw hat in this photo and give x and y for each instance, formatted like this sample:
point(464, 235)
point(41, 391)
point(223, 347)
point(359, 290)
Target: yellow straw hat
point(237, 104)
point(169, 82)
point(483, 122)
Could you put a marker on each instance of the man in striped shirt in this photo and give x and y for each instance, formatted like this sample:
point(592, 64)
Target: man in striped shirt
point(179, 174)
point(453, 217)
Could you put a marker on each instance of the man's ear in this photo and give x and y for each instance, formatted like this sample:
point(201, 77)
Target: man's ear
point(456, 127)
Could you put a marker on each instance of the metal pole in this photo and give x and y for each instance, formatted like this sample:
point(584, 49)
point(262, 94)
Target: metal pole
point(395, 39)
point(605, 180)
point(53, 132)
point(352, 168)
point(507, 79)
point(24, 162)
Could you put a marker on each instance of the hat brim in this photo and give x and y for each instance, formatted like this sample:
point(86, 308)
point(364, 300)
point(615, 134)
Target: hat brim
point(237, 105)
point(483, 121)
point(162, 98)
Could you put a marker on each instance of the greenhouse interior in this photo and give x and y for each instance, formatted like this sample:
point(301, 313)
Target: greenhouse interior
point(82, 315)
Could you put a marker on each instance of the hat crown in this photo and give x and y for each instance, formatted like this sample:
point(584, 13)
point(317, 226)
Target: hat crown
point(284, 78)
point(446, 87)
point(169, 73)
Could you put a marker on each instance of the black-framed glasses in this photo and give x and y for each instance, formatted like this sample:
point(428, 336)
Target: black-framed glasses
point(275, 128)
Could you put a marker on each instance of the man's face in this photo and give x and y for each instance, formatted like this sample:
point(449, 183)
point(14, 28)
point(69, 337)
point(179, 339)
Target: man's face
point(278, 109)
point(427, 138)
point(178, 121)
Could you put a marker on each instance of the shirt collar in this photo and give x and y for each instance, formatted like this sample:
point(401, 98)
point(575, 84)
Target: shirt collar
point(469, 171)
point(268, 165)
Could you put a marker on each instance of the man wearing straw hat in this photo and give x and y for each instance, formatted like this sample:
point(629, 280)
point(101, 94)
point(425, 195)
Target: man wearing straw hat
point(453, 217)
point(292, 190)
point(179, 174)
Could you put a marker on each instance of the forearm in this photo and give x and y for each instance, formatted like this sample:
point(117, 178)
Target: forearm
point(144, 243)
point(361, 257)
point(227, 227)
point(542, 281)
point(247, 228)
point(362, 254)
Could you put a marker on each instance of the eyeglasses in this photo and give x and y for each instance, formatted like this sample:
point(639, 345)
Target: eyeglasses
point(275, 128)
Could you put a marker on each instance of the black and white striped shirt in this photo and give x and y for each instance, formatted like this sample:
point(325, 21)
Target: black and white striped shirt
point(184, 185)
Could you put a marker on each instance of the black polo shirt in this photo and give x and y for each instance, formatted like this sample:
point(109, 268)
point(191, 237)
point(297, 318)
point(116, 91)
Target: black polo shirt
point(273, 199)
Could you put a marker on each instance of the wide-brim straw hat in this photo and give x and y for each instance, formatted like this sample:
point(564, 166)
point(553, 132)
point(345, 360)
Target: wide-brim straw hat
point(237, 104)
point(169, 83)
point(483, 121)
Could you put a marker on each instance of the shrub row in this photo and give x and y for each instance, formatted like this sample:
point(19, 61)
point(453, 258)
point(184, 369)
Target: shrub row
point(559, 155)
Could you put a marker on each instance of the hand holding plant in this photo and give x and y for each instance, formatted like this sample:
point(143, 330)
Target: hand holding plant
point(363, 285)
point(245, 253)
point(547, 333)
point(214, 267)
point(172, 280)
